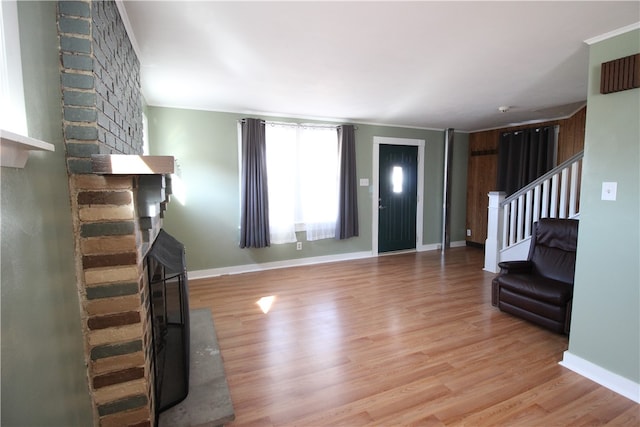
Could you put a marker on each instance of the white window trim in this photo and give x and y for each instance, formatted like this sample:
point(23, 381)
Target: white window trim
point(15, 143)
point(12, 107)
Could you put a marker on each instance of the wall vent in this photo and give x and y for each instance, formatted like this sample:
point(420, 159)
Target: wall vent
point(620, 74)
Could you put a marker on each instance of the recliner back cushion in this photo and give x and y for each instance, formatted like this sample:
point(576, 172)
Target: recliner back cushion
point(554, 263)
point(557, 233)
point(553, 250)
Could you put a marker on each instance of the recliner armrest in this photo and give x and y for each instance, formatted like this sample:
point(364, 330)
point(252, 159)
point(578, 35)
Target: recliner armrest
point(515, 267)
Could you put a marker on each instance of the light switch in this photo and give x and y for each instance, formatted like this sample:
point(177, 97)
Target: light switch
point(364, 182)
point(609, 190)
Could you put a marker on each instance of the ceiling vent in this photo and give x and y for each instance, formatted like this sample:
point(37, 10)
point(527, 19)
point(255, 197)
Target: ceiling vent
point(620, 74)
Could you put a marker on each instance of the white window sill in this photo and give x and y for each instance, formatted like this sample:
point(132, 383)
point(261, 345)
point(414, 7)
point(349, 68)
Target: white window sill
point(15, 148)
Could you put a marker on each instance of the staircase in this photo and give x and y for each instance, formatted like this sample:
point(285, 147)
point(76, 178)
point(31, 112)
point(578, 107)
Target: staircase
point(556, 194)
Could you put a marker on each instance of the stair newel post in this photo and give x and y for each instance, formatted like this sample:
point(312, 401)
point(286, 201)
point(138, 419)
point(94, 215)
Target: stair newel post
point(495, 221)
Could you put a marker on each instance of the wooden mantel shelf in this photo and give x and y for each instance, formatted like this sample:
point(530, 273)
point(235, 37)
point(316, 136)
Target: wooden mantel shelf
point(131, 164)
point(15, 148)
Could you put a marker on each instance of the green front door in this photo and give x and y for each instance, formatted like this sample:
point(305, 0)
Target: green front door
point(398, 198)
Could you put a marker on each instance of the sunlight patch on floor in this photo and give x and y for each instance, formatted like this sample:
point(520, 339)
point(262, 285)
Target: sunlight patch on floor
point(265, 303)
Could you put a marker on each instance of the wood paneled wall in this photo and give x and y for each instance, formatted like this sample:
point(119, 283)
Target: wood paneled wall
point(482, 172)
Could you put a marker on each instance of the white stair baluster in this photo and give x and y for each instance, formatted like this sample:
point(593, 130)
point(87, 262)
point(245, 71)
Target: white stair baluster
point(545, 199)
point(553, 208)
point(536, 203)
point(527, 215)
point(520, 231)
point(573, 191)
point(564, 178)
point(512, 222)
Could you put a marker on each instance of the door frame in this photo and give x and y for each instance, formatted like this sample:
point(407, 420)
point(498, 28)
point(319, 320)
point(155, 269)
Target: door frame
point(377, 141)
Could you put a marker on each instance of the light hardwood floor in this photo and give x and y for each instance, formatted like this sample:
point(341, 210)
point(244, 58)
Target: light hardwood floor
point(407, 339)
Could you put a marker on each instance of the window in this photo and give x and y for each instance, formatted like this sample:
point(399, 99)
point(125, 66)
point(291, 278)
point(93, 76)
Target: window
point(302, 174)
point(12, 106)
point(397, 179)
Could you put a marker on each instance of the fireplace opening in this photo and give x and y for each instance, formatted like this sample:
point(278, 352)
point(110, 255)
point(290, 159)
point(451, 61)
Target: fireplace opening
point(169, 301)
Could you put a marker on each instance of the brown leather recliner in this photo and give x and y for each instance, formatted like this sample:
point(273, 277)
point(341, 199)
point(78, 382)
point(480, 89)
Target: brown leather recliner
point(540, 289)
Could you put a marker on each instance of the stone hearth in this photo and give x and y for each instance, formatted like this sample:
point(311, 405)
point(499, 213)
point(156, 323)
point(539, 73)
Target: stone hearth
point(209, 402)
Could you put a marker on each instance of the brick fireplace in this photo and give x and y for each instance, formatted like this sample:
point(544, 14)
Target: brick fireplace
point(112, 239)
point(117, 204)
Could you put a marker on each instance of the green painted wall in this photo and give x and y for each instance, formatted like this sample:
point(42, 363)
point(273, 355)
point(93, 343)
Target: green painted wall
point(605, 326)
point(206, 146)
point(43, 370)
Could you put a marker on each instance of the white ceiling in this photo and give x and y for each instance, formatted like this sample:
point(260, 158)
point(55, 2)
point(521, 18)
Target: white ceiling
point(418, 64)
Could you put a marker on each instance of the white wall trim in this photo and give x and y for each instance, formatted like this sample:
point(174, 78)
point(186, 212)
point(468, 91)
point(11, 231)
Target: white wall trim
point(598, 374)
point(128, 27)
point(429, 247)
point(535, 121)
point(438, 246)
point(247, 268)
point(12, 104)
point(610, 34)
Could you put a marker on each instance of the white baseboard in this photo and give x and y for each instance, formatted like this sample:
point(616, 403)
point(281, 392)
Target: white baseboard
point(438, 246)
point(608, 379)
point(247, 268)
point(431, 247)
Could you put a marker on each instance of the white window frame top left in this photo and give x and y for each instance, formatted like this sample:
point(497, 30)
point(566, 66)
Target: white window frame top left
point(15, 144)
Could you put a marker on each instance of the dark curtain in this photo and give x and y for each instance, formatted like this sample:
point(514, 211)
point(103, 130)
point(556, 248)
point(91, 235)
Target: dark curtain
point(347, 222)
point(524, 156)
point(254, 216)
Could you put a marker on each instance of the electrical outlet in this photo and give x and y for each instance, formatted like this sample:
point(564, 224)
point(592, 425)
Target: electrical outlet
point(298, 246)
point(468, 232)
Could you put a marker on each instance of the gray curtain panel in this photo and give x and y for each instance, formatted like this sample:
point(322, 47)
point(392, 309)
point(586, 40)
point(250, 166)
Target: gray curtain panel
point(347, 222)
point(254, 216)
